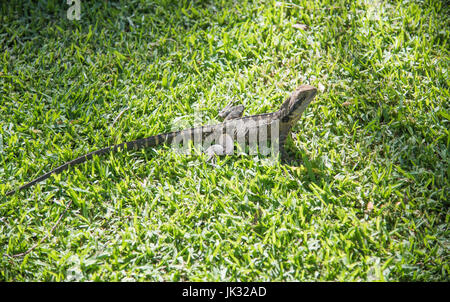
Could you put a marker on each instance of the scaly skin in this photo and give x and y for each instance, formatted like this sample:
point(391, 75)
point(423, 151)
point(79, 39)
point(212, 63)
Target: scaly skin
point(285, 118)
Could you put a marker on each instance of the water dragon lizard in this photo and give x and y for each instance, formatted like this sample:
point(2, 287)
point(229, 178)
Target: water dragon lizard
point(284, 119)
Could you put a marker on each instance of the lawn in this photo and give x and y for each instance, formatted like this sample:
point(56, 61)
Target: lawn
point(366, 200)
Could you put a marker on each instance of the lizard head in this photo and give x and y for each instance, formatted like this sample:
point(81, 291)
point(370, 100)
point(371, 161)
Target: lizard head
point(293, 107)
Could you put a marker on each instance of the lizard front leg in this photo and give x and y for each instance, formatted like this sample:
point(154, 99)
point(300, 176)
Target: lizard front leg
point(285, 157)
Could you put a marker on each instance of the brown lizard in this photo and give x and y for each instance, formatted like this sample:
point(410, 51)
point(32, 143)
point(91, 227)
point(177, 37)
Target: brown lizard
point(234, 128)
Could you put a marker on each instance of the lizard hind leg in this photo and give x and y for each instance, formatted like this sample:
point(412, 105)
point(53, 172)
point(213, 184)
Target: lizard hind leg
point(231, 112)
point(225, 146)
point(225, 143)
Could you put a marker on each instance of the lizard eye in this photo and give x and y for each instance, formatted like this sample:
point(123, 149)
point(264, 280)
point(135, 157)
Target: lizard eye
point(299, 100)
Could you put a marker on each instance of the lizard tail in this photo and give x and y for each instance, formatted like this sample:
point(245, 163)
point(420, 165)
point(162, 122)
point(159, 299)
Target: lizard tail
point(65, 166)
point(136, 144)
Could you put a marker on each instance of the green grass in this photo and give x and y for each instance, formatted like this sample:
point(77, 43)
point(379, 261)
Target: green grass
point(369, 199)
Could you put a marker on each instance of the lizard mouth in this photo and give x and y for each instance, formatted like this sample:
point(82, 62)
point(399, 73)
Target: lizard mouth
point(302, 97)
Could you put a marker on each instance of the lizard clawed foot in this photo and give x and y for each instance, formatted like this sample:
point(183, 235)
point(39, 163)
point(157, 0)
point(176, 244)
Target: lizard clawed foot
point(225, 147)
point(212, 152)
point(287, 158)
